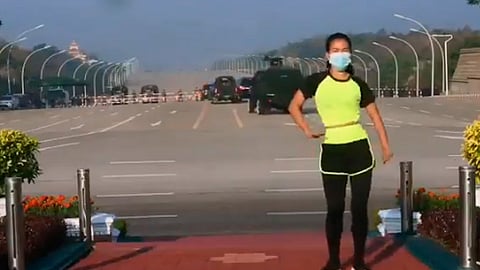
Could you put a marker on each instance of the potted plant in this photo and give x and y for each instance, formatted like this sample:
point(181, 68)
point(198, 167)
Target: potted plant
point(471, 152)
point(18, 158)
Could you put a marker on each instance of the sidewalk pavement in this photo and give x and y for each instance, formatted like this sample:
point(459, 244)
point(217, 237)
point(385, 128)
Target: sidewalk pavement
point(286, 251)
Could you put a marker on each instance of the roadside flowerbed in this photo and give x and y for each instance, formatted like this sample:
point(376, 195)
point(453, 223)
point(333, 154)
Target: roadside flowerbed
point(43, 234)
point(440, 217)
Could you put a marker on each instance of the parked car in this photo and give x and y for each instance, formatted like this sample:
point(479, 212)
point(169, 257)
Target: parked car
point(225, 90)
point(9, 102)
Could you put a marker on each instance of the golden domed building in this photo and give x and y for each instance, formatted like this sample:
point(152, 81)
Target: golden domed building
point(74, 51)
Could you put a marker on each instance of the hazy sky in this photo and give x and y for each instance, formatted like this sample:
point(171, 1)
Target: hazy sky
point(174, 34)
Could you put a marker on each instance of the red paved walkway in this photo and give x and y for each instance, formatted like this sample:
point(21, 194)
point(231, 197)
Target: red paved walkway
point(295, 251)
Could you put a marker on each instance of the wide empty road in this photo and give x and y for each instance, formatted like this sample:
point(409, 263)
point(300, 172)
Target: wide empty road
point(196, 168)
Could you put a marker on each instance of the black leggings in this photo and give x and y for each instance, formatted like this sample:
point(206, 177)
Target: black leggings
point(335, 189)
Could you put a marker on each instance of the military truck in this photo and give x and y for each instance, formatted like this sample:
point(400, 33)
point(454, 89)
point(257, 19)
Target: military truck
point(274, 87)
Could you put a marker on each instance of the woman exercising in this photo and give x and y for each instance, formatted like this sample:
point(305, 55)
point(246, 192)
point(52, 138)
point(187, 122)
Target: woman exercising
point(346, 153)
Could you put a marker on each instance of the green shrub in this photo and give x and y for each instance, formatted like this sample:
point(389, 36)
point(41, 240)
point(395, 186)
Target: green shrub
point(18, 157)
point(471, 147)
point(120, 225)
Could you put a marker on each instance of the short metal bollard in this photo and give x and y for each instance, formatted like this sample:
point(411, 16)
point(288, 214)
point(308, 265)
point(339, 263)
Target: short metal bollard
point(468, 225)
point(15, 223)
point(85, 207)
point(406, 198)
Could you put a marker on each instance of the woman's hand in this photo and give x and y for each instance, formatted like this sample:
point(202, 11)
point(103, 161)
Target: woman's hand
point(387, 154)
point(312, 135)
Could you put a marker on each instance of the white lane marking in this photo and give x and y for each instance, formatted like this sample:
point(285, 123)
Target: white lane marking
point(140, 162)
point(47, 126)
point(237, 118)
point(449, 131)
point(146, 111)
point(200, 117)
point(295, 171)
point(102, 110)
point(114, 113)
point(405, 107)
point(387, 119)
point(173, 112)
point(58, 146)
point(449, 137)
point(456, 155)
point(273, 190)
point(296, 159)
point(389, 104)
point(118, 124)
point(299, 213)
point(15, 121)
point(423, 111)
point(156, 123)
point(398, 122)
point(465, 119)
point(139, 175)
point(153, 108)
point(77, 127)
point(290, 124)
point(1, 124)
point(415, 124)
point(438, 104)
point(451, 168)
point(129, 195)
point(69, 137)
point(147, 217)
point(54, 116)
point(139, 114)
point(77, 117)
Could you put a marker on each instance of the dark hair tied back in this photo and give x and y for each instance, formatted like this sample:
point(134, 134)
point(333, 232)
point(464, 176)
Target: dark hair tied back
point(329, 41)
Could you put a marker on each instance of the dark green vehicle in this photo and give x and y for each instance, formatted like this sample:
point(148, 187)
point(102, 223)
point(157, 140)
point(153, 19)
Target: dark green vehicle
point(274, 88)
point(225, 90)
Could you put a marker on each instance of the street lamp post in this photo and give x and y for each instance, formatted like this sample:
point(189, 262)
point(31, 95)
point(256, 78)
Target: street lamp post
point(44, 64)
point(20, 36)
point(86, 75)
point(448, 37)
point(396, 64)
point(364, 67)
point(432, 85)
point(74, 88)
point(60, 68)
point(11, 43)
point(441, 54)
point(417, 88)
point(25, 64)
point(95, 79)
point(105, 74)
point(376, 65)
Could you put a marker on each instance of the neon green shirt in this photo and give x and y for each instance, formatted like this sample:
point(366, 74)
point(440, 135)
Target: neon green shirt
point(338, 104)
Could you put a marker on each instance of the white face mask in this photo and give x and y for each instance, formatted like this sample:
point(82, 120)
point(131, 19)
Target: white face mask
point(340, 60)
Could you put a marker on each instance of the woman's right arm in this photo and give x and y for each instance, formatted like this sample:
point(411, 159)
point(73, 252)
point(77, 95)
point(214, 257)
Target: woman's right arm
point(295, 109)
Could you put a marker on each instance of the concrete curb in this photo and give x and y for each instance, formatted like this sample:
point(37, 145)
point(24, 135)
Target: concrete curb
point(62, 258)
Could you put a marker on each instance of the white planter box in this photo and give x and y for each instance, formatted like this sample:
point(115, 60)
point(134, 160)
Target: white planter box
point(3, 208)
point(391, 221)
point(101, 226)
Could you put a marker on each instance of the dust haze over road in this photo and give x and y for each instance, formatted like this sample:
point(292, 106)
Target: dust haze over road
point(197, 168)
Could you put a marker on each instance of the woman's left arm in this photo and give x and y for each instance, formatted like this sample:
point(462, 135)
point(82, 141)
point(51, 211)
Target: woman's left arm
point(367, 101)
point(374, 114)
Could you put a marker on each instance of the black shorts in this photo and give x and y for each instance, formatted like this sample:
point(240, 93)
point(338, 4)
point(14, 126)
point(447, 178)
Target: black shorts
point(346, 159)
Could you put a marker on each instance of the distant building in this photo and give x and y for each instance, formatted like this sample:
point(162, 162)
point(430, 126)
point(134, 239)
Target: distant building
point(74, 51)
point(466, 78)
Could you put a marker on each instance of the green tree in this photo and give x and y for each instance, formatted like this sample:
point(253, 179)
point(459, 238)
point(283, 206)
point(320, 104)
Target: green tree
point(473, 2)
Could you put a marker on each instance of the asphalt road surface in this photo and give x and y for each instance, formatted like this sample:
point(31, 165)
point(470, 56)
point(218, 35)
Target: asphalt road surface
point(196, 168)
